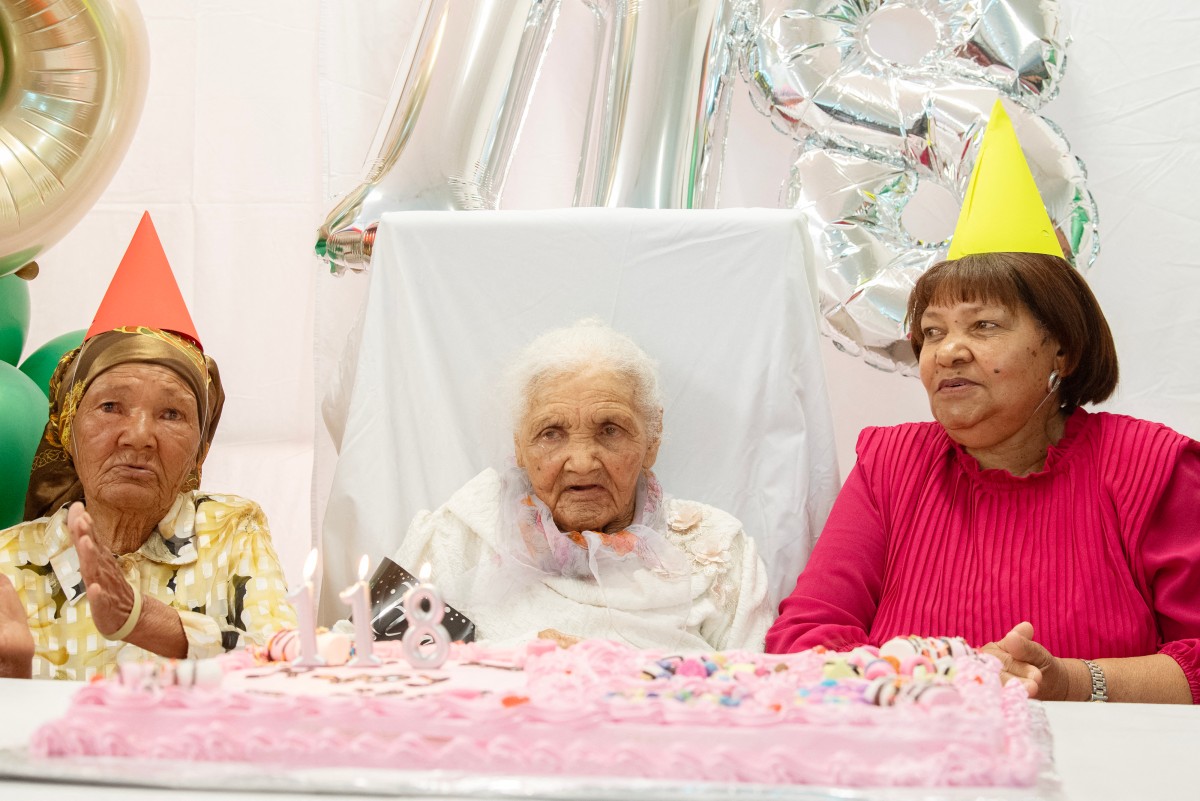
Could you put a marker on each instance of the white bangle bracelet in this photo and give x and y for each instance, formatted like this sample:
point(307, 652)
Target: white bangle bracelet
point(130, 622)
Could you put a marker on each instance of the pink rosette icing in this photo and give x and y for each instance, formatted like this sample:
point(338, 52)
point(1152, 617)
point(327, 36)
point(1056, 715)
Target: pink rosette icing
point(597, 708)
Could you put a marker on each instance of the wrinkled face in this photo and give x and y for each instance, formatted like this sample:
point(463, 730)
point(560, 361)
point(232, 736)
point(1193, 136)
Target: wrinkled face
point(135, 438)
point(986, 368)
point(584, 446)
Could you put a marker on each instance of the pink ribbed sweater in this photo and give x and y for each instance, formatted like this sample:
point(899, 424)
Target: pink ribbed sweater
point(1100, 550)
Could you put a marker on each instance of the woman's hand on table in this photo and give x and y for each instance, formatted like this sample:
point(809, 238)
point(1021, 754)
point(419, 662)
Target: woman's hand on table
point(1150, 679)
point(563, 640)
point(1045, 676)
point(16, 640)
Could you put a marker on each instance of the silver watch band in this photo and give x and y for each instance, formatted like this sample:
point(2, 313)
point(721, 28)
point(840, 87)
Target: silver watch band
point(1099, 683)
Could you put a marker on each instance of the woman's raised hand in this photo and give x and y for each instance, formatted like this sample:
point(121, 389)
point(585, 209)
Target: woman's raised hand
point(16, 640)
point(109, 594)
point(1022, 659)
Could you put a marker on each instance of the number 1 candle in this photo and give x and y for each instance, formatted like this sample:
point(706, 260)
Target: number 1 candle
point(358, 596)
point(302, 602)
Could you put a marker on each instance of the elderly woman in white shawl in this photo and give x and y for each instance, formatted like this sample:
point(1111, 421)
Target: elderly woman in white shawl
point(579, 540)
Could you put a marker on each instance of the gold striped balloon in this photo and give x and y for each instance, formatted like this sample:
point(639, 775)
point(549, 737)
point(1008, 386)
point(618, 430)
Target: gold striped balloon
point(73, 83)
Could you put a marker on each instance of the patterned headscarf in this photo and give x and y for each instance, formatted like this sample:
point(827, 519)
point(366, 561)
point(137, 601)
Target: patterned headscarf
point(53, 481)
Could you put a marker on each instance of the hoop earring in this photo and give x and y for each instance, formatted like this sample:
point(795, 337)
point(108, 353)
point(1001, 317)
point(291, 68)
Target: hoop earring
point(1053, 382)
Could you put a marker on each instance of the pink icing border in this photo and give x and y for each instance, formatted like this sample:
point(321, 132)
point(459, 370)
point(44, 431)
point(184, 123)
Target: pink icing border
point(570, 724)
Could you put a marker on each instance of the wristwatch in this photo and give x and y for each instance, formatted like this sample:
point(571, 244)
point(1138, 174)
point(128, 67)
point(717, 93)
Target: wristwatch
point(1099, 684)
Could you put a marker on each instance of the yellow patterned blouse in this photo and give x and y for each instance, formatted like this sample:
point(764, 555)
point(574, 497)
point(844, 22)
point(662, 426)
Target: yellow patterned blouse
point(210, 559)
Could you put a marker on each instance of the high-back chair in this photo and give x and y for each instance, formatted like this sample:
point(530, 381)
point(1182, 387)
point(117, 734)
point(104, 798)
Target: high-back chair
point(720, 298)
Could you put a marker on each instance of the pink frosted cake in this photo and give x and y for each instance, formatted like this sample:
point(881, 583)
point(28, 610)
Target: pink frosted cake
point(596, 709)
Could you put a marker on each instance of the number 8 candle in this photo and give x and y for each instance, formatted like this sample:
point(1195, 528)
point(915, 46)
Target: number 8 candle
point(422, 624)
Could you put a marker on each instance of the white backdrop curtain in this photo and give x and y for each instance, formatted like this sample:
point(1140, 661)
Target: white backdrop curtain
point(258, 114)
point(227, 159)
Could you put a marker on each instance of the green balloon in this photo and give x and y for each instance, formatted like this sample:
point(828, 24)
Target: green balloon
point(23, 413)
point(40, 364)
point(14, 317)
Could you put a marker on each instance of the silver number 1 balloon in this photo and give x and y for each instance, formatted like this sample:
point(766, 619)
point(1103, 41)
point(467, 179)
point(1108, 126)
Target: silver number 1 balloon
point(655, 129)
point(659, 114)
point(455, 111)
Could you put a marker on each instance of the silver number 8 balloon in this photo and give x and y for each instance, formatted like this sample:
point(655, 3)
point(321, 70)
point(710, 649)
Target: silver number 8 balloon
point(888, 100)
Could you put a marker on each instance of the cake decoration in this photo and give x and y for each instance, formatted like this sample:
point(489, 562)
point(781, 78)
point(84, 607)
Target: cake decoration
point(358, 596)
point(921, 712)
point(389, 584)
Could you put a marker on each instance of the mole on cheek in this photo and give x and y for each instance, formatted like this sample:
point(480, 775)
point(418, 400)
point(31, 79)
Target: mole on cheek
point(996, 371)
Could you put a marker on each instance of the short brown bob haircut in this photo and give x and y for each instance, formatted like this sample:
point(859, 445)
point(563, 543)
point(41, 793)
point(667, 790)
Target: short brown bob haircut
point(1051, 290)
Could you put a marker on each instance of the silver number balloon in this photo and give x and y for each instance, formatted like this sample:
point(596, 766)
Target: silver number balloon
point(75, 75)
point(659, 114)
point(453, 118)
point(888, 100)
point(656, 121)
point(841, 64)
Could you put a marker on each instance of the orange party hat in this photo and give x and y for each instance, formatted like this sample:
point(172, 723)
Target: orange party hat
point(143, 291)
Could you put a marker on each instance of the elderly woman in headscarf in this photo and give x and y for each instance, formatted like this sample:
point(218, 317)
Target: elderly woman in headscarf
point(578, 539)
point(122, 555)
point(151, 564)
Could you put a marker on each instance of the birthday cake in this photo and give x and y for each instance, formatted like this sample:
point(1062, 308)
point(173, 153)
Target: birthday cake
point(924, 712)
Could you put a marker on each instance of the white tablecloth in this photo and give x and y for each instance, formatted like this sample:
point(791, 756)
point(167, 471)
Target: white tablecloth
point(1103, 752)
point(721, 298)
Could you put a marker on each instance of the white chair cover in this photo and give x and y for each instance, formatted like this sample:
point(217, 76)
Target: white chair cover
point(721, 298)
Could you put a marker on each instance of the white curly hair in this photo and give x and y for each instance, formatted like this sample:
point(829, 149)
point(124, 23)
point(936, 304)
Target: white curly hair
point(588, 343)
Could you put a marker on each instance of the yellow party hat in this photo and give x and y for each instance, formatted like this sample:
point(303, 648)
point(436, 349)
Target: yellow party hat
point(1002, 211)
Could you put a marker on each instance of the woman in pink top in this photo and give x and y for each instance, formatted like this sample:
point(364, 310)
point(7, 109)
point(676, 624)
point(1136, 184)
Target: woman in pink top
point(1066, 543)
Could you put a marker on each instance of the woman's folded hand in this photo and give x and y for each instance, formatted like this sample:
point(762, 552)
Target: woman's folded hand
point(1022, 659)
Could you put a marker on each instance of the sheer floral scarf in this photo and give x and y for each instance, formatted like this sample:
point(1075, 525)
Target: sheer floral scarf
point(535, 539)
point(627, 584)
point(53, 481)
